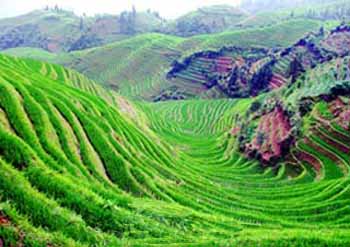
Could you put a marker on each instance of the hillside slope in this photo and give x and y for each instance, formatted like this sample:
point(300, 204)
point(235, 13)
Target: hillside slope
point(77, 171)
point(305, 123)
point(256, 6)
point(243, 72)
point(58, 30)
point(134, 67)
point(206, 20)
point(49, 30)
point(326, 11)
point(126, 66)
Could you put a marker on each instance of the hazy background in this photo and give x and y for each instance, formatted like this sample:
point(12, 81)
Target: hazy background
point(167, 9)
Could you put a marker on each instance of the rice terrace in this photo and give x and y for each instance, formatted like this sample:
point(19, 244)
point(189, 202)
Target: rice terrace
point(208, 123)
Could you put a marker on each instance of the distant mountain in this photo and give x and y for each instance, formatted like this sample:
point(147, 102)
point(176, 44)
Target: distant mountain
point(266, 13)
point(313, 9)
point(110, 28)
point(255, 6)
point(52, 30)
point(58, 30)
point(212, 19)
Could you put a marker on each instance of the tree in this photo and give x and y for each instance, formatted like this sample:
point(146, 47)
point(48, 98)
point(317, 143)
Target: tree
point(326, 13)
point(156, 14)
point(295, 69)
point(321, 32)
point(81, 24)
point(292, 14)
point(260, 80)
point(255, 106)
point(305, 106)
point(134, 11)
point(260, 138)
point(127, 22)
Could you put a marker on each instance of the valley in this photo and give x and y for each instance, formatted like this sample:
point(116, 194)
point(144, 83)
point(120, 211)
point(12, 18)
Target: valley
point(233, 136)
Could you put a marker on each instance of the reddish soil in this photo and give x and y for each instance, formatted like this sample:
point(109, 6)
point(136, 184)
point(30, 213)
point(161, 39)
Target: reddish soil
point(338, 42)
point(272, 133)
point(322, 151)
point(4, 220)
point(235, 131)
point(340, 136)
point(224, 64)
point(332, 142)
point(336, 106)
point(314, 162)
point(344, 119)
point(277, 81)
point(341, 112)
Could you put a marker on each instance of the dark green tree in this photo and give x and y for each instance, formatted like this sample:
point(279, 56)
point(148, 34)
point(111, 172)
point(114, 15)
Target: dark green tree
point(81, 24)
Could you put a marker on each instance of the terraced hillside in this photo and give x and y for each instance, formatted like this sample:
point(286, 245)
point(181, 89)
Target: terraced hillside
point(279, 122)
point(133, 67)
point(242, 72)
point(137, 67)
point(57, 30)
point(80, 166)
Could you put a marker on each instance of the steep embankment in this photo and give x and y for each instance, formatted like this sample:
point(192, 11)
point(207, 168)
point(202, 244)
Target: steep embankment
point(77, 171)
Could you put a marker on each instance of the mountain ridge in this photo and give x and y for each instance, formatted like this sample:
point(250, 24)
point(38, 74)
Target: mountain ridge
point(57, 30)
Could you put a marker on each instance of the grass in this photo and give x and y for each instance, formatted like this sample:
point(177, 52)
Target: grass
point(78, 170)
